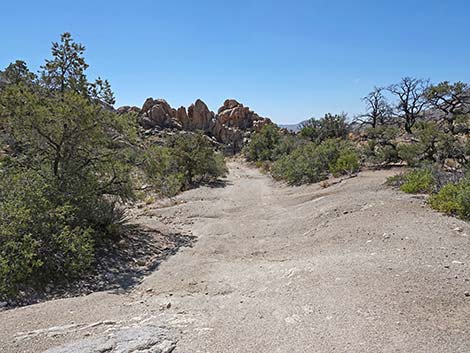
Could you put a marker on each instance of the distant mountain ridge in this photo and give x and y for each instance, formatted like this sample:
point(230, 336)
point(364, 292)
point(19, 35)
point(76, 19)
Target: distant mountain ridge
point(293, 127)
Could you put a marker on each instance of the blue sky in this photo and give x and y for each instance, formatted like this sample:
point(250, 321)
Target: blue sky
point(289, 60)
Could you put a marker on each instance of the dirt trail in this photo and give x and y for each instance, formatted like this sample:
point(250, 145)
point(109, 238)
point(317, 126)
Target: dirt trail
point(356, 267)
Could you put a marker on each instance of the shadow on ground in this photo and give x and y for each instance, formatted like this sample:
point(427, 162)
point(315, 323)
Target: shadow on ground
point(120, 265)
point(137, 254)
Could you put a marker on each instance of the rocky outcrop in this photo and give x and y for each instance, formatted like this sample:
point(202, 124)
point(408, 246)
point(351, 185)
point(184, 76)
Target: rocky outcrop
point(234, 114)
point(200, 117)
point(231, 126)
point(158, 113)
point(183, 119)
point(232, 137)
point(235, 122)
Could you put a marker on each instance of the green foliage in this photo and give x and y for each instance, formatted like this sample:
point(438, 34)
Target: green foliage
point(450, 99)
point(196, 158)
point(330, 126)
point(41, 240)
point(182, 162)
point(17, 72)
point(285, 145)
point(303, 165)
point(310, 163)
point(75, 138)
point(262, 144)
point(347, 163)
point(163, 170)
point(410, 153)
point(380, 148)
point(432, 144)
point(418, 181)
point(68, 170)
point(453, 199)
point(66, 70)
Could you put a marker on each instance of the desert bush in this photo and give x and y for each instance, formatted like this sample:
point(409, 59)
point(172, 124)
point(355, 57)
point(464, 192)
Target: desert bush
point(347, 163)
point(410, 153)
point(433, 144)
point(41, 240)
point(263, 143)
point(453, 199)
point(310, 163)
point(302, 166)
point(264, 166)
point(196, 158)
point(163, 171)
point(183, 162)
point(328, 127)
point(418, 181)
point(285, 145)
point(380, 147)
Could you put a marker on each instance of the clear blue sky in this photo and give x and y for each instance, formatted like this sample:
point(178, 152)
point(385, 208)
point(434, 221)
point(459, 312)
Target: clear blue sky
point(288, 60)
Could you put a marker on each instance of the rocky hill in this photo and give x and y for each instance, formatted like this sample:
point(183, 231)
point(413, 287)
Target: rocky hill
point(231, 125)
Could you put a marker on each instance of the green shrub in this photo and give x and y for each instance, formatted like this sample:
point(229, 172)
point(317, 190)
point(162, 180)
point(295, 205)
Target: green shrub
point(418, 181)
point(302, 166)
point(184, 161)
point(196, 158)
point(163, 170)
point(285, 145)
point(410, 153)
point(432, 145)
point(380, 147)
point(453, 199)
point(347, 163)
point(311, 163)
point(40, 241)
point(263, 143)
point(328, 127)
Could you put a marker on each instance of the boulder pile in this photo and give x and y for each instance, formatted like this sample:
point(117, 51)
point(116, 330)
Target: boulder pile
point(231, 126)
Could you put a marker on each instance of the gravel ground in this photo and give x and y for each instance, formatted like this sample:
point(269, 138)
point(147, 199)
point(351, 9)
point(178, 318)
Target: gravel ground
point(355, 267)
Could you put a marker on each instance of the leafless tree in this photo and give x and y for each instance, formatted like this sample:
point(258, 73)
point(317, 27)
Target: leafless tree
point(378, 111)
point(410, 93)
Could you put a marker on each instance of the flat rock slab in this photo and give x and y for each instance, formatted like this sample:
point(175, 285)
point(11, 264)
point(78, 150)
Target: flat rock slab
point(148, 339)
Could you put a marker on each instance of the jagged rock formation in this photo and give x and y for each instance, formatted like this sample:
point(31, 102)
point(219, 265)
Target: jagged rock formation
point(231, 126)
point(201, 117)
point(157, 112)
point(234, 114)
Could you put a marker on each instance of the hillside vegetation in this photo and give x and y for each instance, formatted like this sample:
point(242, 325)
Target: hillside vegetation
point(69, 163)
point(412, 123)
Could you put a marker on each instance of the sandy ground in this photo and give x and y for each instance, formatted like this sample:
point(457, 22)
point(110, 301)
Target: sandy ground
point(356, 267)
